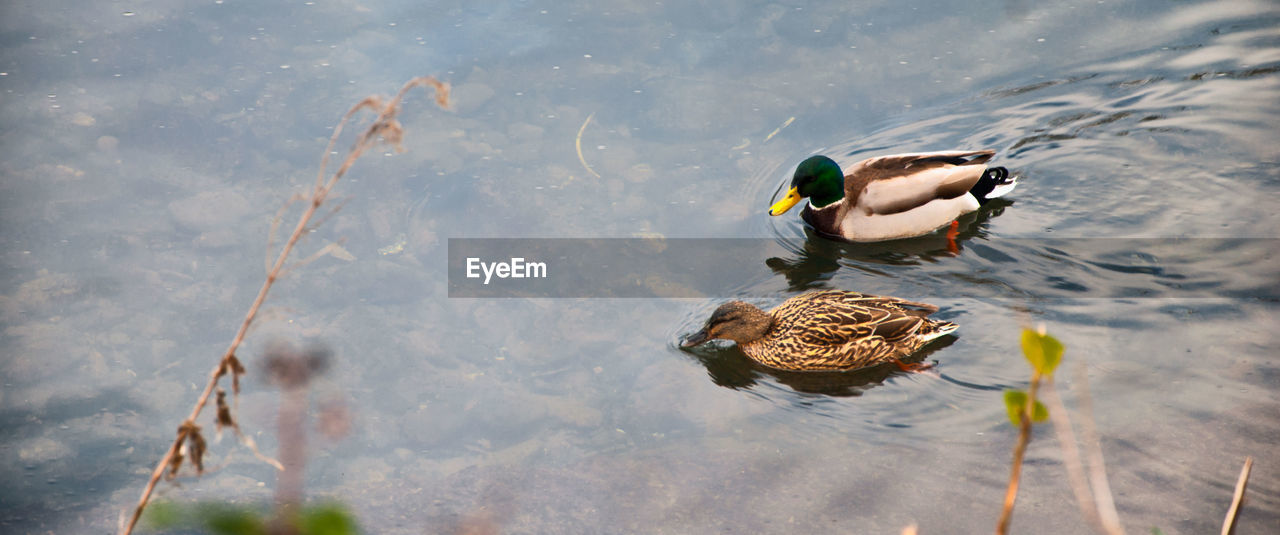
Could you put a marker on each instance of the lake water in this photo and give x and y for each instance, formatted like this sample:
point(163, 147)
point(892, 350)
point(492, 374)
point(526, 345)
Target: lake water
point(147, 147)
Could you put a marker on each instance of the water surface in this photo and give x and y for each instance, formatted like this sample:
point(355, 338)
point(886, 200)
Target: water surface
point(146, 149)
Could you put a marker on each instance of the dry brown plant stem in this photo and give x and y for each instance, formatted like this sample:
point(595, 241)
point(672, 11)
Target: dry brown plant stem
point(384, 127)
point(1229, 524)
point(1019, 450)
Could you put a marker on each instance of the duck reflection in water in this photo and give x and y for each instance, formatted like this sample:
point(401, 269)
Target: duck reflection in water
point(727, 366)
point(815, 258)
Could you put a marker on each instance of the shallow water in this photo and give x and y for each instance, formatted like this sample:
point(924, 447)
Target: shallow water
point(146, 151)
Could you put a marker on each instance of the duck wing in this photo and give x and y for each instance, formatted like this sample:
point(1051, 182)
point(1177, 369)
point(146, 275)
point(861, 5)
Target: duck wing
point(832, 320)
point(901, 182)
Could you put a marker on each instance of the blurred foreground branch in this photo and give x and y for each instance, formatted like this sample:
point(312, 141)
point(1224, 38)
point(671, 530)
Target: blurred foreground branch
point(1044, 353)
point(1094, 497)
point(189, 442)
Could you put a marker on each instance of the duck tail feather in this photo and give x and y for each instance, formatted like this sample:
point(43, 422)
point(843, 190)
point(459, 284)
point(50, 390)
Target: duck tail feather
point(939, 329)
point(996, 182)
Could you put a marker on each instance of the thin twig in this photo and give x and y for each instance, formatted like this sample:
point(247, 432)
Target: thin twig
point(578, 145)
point(384, 126)
point(1102, 499)
point(275, 226)
point(1071, 455)
point(1019, 450)
point(1096, 503)
point(1229, 524)
point(333, 248)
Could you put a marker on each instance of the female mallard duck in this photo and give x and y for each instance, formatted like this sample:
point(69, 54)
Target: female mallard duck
point(828, 330)
point(891, 197)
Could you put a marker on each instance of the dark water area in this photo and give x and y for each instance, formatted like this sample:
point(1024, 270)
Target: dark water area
point(146, 149)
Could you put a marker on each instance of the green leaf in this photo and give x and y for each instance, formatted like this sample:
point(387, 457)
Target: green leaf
point(1016, 400)
point(228, 520)
point(1039, 412)
point(164, 515)
point(1044, 352)
point(330, 519)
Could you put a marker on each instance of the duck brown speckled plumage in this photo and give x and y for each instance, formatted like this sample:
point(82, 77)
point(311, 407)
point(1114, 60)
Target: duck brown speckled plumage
point(825, 331)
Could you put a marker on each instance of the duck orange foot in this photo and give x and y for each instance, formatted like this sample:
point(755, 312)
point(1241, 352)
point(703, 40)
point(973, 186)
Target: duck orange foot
point(913, 367)
point(952, 232)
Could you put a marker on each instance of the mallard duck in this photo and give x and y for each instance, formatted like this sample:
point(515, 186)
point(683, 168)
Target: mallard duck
point(891, 197)
point(827, 330)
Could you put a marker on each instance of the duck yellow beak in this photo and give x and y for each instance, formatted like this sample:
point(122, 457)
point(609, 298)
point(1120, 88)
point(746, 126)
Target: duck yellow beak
point(786, 203)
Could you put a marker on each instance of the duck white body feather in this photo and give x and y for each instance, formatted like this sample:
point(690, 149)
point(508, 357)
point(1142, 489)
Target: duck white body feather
point(862, 225)
point(896, 196)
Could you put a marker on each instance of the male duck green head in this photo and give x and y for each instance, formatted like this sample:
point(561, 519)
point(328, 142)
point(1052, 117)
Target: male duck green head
point(818, 178)
point(892, 197)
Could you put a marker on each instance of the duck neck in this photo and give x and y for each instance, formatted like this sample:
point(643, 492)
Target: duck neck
point(760, 322)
